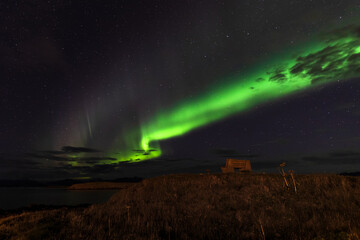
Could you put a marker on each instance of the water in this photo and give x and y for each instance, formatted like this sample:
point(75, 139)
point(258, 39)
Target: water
point(16, 197)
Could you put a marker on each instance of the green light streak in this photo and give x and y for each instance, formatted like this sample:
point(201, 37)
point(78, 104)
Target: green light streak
point(134, 157)
point(357, 50)
point(317, 63)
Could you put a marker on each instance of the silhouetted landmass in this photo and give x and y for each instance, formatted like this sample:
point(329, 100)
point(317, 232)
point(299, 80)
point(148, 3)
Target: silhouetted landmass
point(133, 179)
point(207, 206)
point(350, 174)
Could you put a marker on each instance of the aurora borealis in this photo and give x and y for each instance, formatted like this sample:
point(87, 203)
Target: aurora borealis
point(313, 66)
point(144, 88)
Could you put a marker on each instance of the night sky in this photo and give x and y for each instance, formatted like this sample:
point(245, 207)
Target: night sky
point(111, 89)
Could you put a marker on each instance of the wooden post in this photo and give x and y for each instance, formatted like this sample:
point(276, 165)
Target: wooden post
point(283, 174)
point(293, 179)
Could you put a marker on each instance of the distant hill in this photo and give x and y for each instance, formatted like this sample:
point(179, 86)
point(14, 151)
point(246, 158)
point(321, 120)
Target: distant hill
point(133, 179)
point(350, 174)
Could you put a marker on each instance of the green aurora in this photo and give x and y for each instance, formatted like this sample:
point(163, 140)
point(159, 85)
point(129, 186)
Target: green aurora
point(334, 58)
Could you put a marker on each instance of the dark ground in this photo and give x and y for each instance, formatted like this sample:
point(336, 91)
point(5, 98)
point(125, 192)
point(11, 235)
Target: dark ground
point(208, 206)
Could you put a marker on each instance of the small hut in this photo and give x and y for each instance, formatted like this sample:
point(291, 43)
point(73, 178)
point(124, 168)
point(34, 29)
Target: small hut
point(232, 164)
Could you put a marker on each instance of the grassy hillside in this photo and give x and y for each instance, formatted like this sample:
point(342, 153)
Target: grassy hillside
point(230, 206)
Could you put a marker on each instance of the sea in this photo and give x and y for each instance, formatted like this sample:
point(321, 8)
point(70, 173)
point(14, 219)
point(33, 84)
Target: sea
point(19, 197)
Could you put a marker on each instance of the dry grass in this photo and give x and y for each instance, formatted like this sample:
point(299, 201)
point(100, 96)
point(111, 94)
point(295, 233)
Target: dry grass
point(229, 206)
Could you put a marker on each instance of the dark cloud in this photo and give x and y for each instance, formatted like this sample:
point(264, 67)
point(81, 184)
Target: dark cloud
point(94, 158)
point(320, 64)
point(297, 68)
point(18, 163)
point(138, 150)
point(66, 155)
point(47, 157)
point(53, 152)
point(142, 150)
point(97, 169)
point(344, 154)
point(167, 160)
point(64, 150)
point(70, 149)
point(278, 75)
